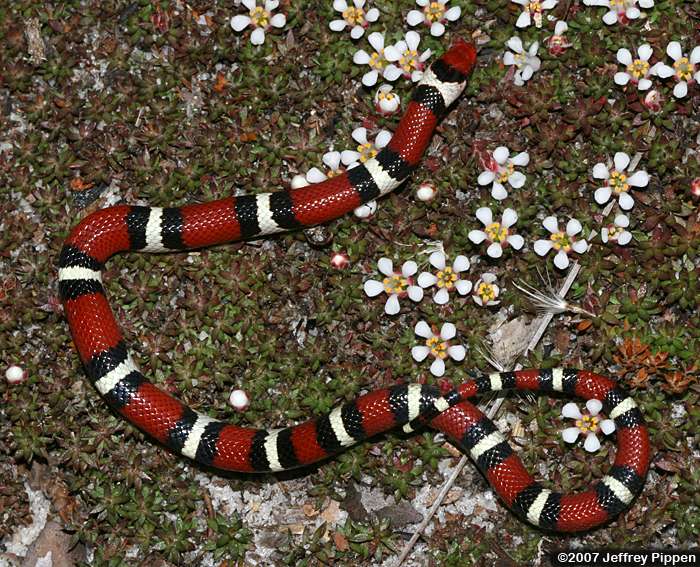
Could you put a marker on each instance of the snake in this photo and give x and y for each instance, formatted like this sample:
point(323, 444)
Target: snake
point(110, 365)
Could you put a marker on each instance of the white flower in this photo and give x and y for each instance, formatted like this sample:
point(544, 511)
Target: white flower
point(260, 18)
point(366, 149)
point(587, 423)
point(501, 169)
point(315, 175)
point(637, 70)
point(561, 241)
point(378, 61)
point(526, 62)
point(532, 10)
point(616, 232)
point(683, 70)
point(239, 400)
point(395, 284)
point(353, 16)
point(558, 43)
point(497, 234)
point(15, 374)
point(366, 211)
point(618, 182)
point(437, 346)
point(447, 277)
point(411, 63)
point(620, 10)
point(486, 291)
point(434, 14)
point(387, 102)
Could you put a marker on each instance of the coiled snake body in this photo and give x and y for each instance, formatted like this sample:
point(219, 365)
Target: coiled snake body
point(211, 442)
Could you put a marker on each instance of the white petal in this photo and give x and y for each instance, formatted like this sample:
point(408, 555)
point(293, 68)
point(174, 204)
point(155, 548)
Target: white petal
point(626, 201)
point(621, 78)
point(392, 307)
point(477, 300)
point(412, 40)
point(551, 224)
point(571, 411)
point(541, 247)
point(521, 159)
point(460, 264)
point(509, 218)
point(600, 171)
point(516, 180)
point(437, 368)
point(532, 50)
point(494, 250)
point(624, 56)
point(523, 20)
point(602, 195)
point(527, 73)
point(422, 329)
point(415, 17)
point(369, 79)
point(610, 17)
point(298, 181)
point(332, 160)
point(674, 50)
point(372, 15)
point(392, 72)
point(463, 286)
point(633, 13)
point(638, 179)
point(486, 177)
point(488, 277)
point(386, 266)
point(621, 161)
point(549, 4)
point(573, 227)
point(257, 37)
point(594, 406)
point(508, 58)
point(520, 2)
point(426, 279)
point(376, 40)
point(250, 4)
point(607, 426)
point(382, 140)
point(501, 155)
point(622, 220)
point(441, 296)
point(561, 260)
point(357, 32)
point(315, 175)
point(373, 288)
point(340, 5)
point(415, 293)
point(580, 246)
point(278, 20)
point(438, 260)
point(361, 57)
point(646, 3)
point(661, 70)
point(360, 135)
point(516, 241)
point(420, 353)
point(680, 90)
point(349, 156)
point(560, 27)
point(271, 5)
point(695, 55)
point(239, 23)
point(338, 25)
point(485, 215)
point(416, 76)
point(457, 352)
point(645, 51)
point(515, 44)
point(498, 192)
point(644, 84)
point(393, 52)
point(453, 13)
point(604, 235)
point(591, 444)
point(359, 3)
point(570, 434)
point(448, 331)
point(437, 29)
point(409, 268)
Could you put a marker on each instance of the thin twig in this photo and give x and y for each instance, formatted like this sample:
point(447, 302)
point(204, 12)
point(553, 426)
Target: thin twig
point(534, 339)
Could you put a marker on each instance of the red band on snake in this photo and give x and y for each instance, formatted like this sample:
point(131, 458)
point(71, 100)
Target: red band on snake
point(214, 443)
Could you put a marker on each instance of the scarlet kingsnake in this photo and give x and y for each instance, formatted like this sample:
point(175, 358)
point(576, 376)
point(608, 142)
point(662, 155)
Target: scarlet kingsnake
point(214, 443)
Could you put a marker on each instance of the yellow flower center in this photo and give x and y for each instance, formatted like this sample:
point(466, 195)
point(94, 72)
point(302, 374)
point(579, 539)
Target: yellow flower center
point(260, 17)
point(354, 16)
point(395, 284)
point(377, 61)
point(684, 69)
point(382, 95)
point(561, 241)
point(496, 232)
point(620, 6)
point(505, 172)
point(446, 278)
point(438, 348)
point(409, 60)
point(434, 12)
point(614, 232)
point(519, 59)
point(533, 7)
point(587, 423)
point(638, 68)
point(618, 182)
point(486, 291)
point(366, 151)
